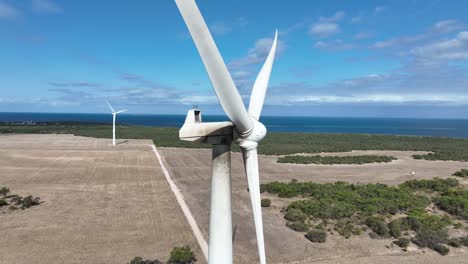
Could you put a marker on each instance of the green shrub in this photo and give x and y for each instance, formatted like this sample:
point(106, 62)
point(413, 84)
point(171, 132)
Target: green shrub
point(4, 191)
point(435, 185)
point(395, 228)
point(295, 215)
point(402, 242)
point(461, 173)
point(430, 238)
point(454, 242)
point(298, 226)
point(318, 236)
point(329, 160)
point(441, 249)
point(377, 224)
point(464, 241)
point(455, 202)
point(341, 200)
point(3, 202)
point(138, 260)
point(266, 202)
point(346, 228)
point(420, 219)
point(29, 201)
point(181, 255)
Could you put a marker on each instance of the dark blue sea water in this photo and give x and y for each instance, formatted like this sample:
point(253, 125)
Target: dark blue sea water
point(396, 126)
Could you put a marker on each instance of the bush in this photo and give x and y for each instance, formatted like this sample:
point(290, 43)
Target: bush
point(419, 219)
point(29, 201)
point(4, 191)
point(295, 215)
point(430, 238)
point(435, 185)
point(454, 202)
point(464, 241)
point(454, 242)
point(298, 226)
point(329, 160)
point(340, 200)
point(461, 173)
point(395, 228)
point(181, 255)
point(266, 202)
point(441, 249)
point(346, 228)
point(138, 260)
point(3, 202)
point(377, 224)
point(316, 236)
point(403, 242)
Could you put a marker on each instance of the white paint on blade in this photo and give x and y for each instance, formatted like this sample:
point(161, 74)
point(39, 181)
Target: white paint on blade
point(180, 199)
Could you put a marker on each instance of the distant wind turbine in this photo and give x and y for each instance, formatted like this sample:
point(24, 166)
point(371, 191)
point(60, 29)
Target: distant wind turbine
point(114, 114)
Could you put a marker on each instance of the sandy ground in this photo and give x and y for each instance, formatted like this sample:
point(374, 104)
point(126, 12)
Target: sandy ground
point(190, 169)
point(102, 204)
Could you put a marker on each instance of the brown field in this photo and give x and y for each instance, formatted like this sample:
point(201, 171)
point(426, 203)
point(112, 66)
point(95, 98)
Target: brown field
point(106, 204)
point(190, 169)
point(102, 204)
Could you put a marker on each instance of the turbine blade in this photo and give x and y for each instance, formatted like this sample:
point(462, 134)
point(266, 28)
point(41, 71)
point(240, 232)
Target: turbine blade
point(221, 80)
point(121, 111)
point(261, 83)
point(251, 169)
point(109, 105)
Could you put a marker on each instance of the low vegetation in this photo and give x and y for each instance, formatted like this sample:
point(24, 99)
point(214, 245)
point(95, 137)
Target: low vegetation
point(330, 160)
point(316, 235)
point(15, 201)
point(380, 210)
point(179, 255)
point(461, 173)
point(275, 143)
point(266, 202)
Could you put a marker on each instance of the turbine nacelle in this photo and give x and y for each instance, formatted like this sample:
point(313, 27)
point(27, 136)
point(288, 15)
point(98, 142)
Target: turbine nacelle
point(195, 130)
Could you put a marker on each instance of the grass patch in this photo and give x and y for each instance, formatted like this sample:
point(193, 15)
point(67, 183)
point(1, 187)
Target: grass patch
point(275, 143)
point(330, 160)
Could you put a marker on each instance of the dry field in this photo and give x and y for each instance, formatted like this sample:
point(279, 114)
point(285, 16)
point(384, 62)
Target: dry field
point(102, 204)
point(190, 169)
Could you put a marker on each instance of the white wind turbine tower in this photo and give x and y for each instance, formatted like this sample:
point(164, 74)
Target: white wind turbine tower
point(245, 129)
point(114, 115)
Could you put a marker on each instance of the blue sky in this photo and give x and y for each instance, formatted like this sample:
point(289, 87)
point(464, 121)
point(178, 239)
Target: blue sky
point(405, 58)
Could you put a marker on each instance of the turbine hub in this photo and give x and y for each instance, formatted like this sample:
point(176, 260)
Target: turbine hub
point(257, 133)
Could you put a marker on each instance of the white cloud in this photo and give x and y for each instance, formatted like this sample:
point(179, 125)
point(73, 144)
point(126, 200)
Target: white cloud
point(383, 98)
point(221, 27)
point(335, 45)
point(324, 29)
point(327, 26)
point(8, 12)
point(379, 9)
point(438, 29)
point(363, 35)
point(339, 15)
point(46, 7)
point(453, 49)
point(257, 54)
point(446, 26)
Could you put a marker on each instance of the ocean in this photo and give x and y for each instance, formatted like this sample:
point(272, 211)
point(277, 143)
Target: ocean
point(456, 128)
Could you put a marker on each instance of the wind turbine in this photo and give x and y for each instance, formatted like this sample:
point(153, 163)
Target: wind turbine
point(114, 115)
point(244, 129)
